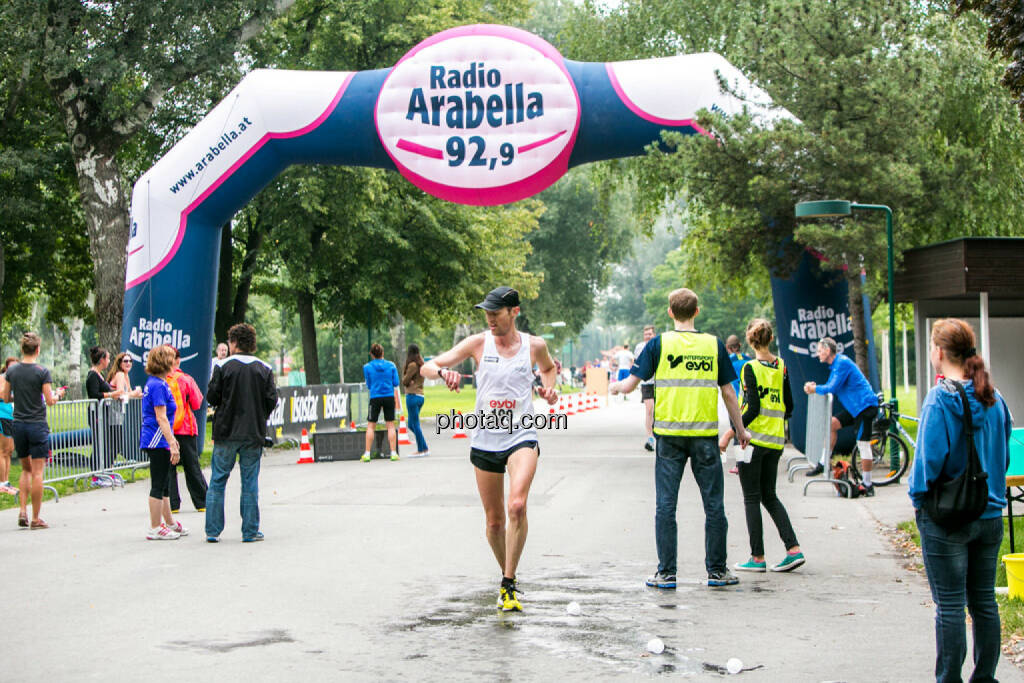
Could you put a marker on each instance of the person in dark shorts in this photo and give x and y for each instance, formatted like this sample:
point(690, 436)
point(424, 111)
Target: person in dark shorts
point(6, 437)
point(157, 441)
point(31, 387)
point(382, 381)
point(505, 358)
point(860, 405)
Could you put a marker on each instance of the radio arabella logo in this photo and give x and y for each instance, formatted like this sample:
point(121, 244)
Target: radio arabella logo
point(479, 115)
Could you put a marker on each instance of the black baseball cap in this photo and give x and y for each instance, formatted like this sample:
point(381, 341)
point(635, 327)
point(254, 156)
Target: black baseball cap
point(499, 297)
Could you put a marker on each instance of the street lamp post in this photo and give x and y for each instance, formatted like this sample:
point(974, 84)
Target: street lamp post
point(831, 208)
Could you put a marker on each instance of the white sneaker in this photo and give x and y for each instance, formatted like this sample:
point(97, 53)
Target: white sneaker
point(421, 454)
point(179, 528)
point(162, 533)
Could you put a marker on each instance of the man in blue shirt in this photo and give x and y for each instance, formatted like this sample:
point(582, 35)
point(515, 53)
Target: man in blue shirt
point(382, 381)
point(860, 405)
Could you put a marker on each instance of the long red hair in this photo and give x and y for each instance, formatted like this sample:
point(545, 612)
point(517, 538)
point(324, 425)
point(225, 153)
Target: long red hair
point(956, 339)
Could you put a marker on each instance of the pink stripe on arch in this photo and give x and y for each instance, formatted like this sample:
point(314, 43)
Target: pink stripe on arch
point(417, 148)
point(540, 143)
point(228, 173)
point(137, 249)
point(632, 106)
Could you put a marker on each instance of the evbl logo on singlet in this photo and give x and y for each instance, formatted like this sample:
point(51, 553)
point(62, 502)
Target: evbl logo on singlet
point(704, 364)
point(764, 391)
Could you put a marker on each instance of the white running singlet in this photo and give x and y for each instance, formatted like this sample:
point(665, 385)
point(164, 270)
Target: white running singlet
point(504, 386)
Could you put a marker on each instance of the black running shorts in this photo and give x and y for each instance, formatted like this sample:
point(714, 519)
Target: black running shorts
point(494, 461)
point(863, 421)
point(385, 403)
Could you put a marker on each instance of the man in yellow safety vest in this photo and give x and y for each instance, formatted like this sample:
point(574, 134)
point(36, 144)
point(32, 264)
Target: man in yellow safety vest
point(689, 368)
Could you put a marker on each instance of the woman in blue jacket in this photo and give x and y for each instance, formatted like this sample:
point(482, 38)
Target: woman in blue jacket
point(961, 565)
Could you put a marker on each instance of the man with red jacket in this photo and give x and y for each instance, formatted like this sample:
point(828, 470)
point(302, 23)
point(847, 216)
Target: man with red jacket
point(188, 398)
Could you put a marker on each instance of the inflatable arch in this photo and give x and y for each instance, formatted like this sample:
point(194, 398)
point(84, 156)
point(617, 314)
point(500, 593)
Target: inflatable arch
point(479, 114)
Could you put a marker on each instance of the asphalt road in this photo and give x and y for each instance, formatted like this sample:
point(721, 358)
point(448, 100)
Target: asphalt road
point(380, 571)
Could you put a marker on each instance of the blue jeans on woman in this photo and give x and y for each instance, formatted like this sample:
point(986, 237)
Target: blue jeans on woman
point(702, 452)
point(961, 567)
point(413, 403)
point(223, 462)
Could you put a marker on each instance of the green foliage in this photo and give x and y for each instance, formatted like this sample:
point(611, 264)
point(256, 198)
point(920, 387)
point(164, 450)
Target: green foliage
point(1005, 38)
point(578, 237)
point(885, 119)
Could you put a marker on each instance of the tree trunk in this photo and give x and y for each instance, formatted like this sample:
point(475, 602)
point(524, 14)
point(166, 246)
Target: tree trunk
point(397, 331)
point(75, 359)
point(307, 323)
point(856, 305)
point(341, 351)
point(224, 317)
point(102, 188)
point(253, 241)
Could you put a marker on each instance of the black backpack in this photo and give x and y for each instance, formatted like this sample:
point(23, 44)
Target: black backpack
point(955, 503)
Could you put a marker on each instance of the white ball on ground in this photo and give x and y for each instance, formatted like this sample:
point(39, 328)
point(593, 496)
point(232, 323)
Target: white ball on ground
point(655, 646)
point(573, 608)
point(734, 666)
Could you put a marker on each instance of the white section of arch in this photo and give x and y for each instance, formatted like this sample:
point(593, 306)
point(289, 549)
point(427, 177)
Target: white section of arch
point(265, 104)
point(673, 89)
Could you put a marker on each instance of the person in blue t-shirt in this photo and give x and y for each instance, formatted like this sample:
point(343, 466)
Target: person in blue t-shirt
point(156, 439)
point(382, 380)
point(860, 405)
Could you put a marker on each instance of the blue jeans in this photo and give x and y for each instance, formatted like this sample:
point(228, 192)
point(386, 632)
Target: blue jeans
point(961, 569)
point(702, 452)
point(413, 403)
point(223, 462)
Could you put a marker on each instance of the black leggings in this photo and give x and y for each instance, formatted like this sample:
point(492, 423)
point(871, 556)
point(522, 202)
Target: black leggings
point(159, 468)
point(757, 478)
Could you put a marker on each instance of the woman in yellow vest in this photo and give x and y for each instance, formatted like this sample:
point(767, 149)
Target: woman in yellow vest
point(767, 403)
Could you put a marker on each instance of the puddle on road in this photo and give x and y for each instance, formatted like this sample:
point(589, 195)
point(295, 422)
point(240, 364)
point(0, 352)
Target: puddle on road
point(617, 620)
point(259, 639)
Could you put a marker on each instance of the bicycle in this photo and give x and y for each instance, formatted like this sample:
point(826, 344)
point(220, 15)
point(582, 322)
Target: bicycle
point(891, 453)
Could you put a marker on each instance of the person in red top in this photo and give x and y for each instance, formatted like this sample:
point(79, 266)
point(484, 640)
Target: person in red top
point(188, 397)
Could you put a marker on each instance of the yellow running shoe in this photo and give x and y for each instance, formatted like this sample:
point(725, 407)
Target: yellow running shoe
point(508, 598)
point(365, 458)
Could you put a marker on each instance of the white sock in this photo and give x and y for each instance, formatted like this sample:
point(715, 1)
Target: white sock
point(864, 449)
point(366, 453)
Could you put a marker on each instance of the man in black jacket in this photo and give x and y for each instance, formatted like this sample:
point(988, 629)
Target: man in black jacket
point(243, 392)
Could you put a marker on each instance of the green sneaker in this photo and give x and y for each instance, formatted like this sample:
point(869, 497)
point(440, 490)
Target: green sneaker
point(751, 566)
point(394, 457)
point(365, 458)
point(790, 563)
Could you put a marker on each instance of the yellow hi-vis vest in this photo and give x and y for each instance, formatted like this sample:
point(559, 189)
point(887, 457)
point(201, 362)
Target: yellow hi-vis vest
point(686, 385)
point(769, 427)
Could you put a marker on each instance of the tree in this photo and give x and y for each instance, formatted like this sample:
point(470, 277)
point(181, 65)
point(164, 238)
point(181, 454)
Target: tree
point(883, 117)
point(578, 238)
point(107, 67)
point(1005, 38)
point(43, 250)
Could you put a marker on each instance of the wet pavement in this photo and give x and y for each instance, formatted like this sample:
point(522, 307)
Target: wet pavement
point(380, 571)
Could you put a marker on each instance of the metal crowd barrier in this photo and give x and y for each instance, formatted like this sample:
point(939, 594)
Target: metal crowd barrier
point(91, 441)
point(359, 402)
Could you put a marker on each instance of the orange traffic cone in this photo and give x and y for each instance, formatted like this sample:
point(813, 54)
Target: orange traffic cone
point(403, 433)
point(305, 451)
point(460, 433)
point(570, 409)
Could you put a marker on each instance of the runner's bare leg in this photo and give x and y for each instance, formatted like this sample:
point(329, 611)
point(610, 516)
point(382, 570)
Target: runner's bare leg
point(491, 486)
point(522, 465)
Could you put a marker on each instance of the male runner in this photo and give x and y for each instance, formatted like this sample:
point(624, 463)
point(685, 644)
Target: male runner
point(860, 406)
point(504, 360)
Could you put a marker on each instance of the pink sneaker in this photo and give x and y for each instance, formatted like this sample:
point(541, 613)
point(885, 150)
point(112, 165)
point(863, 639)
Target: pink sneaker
point(179, 528)
point(162, 533)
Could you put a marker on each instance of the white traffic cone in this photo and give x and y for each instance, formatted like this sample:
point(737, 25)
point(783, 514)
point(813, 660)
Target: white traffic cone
point(305, 450)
